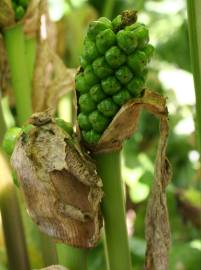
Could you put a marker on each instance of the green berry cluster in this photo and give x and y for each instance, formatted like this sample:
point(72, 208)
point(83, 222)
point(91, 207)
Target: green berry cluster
point(113, 71)
point(20, 7)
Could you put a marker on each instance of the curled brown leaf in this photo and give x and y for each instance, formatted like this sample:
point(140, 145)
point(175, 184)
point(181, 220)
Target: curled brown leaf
point(60, 184)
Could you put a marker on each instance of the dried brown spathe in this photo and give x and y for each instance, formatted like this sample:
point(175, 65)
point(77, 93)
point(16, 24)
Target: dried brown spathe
point(157, 222)
point(61, 187)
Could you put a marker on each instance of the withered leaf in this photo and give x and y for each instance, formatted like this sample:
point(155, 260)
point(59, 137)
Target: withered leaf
point(60, 184)
point(126, 120)
point(157, 221)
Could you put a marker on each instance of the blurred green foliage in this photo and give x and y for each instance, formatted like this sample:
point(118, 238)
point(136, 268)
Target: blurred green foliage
point(168, 30)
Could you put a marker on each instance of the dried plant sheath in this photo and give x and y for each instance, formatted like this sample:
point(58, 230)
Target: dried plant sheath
point(157, 222)
point(126, 120)
point(60, 183)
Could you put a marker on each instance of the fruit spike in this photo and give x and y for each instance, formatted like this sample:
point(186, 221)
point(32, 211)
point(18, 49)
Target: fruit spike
point(113, 70)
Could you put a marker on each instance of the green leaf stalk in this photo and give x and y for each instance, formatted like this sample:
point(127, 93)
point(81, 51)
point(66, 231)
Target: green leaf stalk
point(194, 22)
point(113, 207)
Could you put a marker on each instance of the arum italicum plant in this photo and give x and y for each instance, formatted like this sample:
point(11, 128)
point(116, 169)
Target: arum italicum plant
point(113, 71)
point(194, 24)
point(52, 161)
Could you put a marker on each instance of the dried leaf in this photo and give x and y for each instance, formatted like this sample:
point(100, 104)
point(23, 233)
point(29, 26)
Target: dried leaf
point(7, 16)
point(127, 120)
point(157, 222)
point(61, 187)
point(51, 79)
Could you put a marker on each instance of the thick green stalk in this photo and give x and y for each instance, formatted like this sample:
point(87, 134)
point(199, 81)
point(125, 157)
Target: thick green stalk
point(30, 52)
point(15, 47)
point(21, 57)
point(194, 22)
point(113, 207)
point(72, 258)
point(10, 212)
point(108, 8)
point(48, 249)
point(2, 124)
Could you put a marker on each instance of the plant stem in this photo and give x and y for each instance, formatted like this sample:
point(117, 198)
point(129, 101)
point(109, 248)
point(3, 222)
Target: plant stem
point(15, 47)
point(2, 124)
point(194, 22)
point(113, 208)
point(21, 57)
point(11, 219)
point(108, 8)
point(72, 258)
point(30, 52)
point(48, 249)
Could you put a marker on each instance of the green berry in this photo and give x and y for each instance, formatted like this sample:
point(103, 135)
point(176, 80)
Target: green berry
point(124, 74)
point(121, 97)
point(107, 107)
point(105, 40)
point(117, 23)
point(86, 103)
point(110, 85)
point(149, 50)
point(19, 12)
point(83, 62)
point(66, 126)
point(127, 41)
point(101, 68)
point(135, 86)
point(91, 137)
point(90, 76)
point(95, 28)
point(90, 51)
point(97, 93)
point(83, 121)
point(115, 57)
point(127, 17)
point(137, 61)
point(81, 84)
point(106, 21)
point(98, 121)
point(10, 139)
point(142, 35)
point(134, 26)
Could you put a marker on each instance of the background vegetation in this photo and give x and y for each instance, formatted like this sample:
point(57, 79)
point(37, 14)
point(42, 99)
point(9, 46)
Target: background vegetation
point(170, 74)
